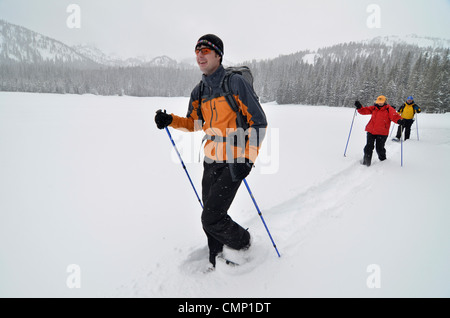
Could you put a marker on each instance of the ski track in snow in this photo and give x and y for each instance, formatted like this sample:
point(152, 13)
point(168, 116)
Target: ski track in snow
point(319, 202)
point(292, 223)
point(304, 213)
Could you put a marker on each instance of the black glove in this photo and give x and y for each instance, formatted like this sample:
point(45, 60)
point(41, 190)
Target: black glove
point(401, 122)
point(358, 105)
point(239, 171)
point(162, 119)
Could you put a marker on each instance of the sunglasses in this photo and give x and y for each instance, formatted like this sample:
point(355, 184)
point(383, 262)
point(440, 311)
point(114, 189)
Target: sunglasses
point(205, 51)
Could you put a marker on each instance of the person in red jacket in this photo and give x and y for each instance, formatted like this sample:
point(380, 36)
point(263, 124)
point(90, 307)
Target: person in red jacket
point(378, 127)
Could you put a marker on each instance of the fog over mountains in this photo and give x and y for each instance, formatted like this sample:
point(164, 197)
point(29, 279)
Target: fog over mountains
point(336, 76)
point(19, 44)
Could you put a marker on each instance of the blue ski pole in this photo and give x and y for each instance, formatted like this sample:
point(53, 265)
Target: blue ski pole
point(260, 215)
point(184, 166)
point(392, 130)
point(401, 150)
point(417, 126)
point(348, 139)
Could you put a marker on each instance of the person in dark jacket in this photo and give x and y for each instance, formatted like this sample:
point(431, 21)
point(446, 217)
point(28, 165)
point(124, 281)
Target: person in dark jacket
point(378, 127)
point(408, 110)
point(223, 170)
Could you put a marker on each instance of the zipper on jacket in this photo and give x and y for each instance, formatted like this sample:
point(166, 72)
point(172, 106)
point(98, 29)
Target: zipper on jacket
point(212, 114)
point(217, 113)
point(214, 109)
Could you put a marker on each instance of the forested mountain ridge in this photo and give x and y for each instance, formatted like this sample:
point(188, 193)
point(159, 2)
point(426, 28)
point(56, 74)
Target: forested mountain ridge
point(335, 76)
point(31, 62)
point(340, 74)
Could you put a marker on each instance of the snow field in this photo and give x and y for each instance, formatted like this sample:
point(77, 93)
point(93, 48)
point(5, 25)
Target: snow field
point(89, 180)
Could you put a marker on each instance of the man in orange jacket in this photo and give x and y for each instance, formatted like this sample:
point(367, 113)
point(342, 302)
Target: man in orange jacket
point(224, 170)
point(378, 127)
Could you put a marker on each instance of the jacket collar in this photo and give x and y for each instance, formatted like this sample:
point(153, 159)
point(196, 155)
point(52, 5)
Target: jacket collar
point(385, 106)
point(215, 78)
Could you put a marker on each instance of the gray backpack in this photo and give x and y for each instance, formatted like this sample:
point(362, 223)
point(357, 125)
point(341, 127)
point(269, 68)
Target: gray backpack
point(241, 120)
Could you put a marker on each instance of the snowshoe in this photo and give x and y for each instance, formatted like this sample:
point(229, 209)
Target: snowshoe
point(209, 269)
point(227, 261)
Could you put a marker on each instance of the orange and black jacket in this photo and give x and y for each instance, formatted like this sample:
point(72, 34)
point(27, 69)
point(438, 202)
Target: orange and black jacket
point(218, 119)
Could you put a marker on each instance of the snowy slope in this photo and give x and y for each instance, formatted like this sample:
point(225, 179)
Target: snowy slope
point(95, 54)
point(89, 180)
point(20, 44)
point(410, 39)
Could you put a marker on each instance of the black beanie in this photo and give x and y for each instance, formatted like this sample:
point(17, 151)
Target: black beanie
point(212, 41)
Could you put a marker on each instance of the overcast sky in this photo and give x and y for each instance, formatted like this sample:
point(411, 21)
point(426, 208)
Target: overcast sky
point(250, 29)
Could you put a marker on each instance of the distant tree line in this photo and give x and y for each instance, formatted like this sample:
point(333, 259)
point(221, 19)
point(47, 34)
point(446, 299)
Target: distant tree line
point(48, 77)
point(339, 75)
point(343, 73)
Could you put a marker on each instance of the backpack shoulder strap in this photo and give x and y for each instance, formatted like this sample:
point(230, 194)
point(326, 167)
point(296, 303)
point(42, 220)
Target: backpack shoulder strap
point(241, 120)
point(226, 84)
point(200, 94)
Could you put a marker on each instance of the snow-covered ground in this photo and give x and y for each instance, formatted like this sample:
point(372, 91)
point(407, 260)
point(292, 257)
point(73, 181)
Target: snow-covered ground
point(90, 181)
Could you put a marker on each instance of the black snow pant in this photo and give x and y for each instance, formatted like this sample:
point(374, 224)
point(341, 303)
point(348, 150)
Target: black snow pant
point(407, 127)
point(218, 192)
point(380, 141)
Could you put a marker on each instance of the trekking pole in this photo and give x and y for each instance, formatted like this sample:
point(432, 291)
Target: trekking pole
point(260, 215)
point(184, 166)
point(392, 130)
point(417, 126)
point(401, 148)
point(348, 139)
